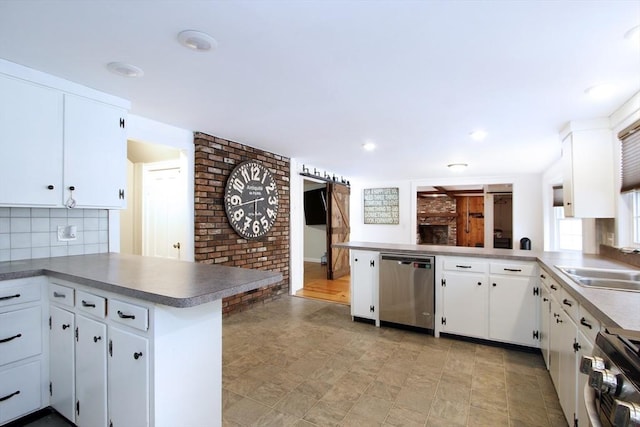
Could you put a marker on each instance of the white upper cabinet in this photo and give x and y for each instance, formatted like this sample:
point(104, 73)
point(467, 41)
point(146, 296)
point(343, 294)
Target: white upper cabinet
point(30, 144)
point(95, 152)
point(588, 171)
point(55, 134)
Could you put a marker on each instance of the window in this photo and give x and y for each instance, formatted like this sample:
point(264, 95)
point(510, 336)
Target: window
point(568, 231)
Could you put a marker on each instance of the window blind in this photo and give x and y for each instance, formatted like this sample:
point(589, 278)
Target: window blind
point(630, 138)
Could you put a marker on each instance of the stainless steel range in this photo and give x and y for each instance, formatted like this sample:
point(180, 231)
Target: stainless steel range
point(612, 394)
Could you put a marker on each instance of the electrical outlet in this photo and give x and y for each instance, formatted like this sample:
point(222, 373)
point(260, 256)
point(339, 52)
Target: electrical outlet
point(67, 233)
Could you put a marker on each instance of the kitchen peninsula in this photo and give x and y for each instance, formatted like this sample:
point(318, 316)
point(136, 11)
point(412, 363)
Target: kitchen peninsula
point(154, 350)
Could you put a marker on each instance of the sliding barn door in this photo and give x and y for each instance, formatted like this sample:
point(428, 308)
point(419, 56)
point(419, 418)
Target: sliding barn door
point(337, 230)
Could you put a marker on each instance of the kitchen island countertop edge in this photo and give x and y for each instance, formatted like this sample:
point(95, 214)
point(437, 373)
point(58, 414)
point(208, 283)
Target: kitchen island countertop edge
point(157, 280)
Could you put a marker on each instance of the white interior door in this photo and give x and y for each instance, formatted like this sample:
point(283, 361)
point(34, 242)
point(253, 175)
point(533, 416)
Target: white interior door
point(164, 210)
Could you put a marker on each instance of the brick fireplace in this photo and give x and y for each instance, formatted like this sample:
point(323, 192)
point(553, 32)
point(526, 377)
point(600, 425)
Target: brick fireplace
point(436, 221)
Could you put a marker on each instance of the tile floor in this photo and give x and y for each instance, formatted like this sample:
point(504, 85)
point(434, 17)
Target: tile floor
point(300, 362)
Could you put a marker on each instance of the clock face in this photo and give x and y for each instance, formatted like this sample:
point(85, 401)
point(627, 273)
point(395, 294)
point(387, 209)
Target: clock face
point(251, 200)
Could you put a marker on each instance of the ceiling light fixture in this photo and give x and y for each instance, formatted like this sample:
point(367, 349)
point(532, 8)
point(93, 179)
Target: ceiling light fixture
point(633, 34)
point(125, 70)
point(369, 146)
point(457, 167)
point(478, 135)
point(600, 91)
point(197, 40)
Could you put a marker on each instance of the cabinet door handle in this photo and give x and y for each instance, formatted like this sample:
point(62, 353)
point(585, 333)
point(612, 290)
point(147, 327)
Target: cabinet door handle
point(545, 299)
point(515, 270)
point(88, 304)
point(463, 266)
point(9, 396)
point(479, 283)
point(65, 326)
point(125, 316)
point(567, 302)
point(554, 287)
point(494, 285)
point(59, 295)
point(137, 355)
point(10, 338)
point(584, 322)
point(96, 339)
point(9, 297)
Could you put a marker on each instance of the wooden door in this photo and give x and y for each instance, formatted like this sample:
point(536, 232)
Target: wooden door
point(337, 230)
point(470, 222)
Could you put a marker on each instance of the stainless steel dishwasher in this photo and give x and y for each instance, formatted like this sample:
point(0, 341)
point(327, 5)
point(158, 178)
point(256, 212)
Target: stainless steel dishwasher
point(407, 290)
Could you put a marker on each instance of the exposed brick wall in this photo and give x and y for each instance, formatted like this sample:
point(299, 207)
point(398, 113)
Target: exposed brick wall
point(428, 210)
point(215, 241)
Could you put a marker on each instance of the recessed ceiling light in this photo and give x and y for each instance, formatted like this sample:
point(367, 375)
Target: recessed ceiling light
point(197, 40)
point(478, 135)
point(125, 70)
point(600, 91)
point(633, 34)
point(457, 167)
point(369, 146)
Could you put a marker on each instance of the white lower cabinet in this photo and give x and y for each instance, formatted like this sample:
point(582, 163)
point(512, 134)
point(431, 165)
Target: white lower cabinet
point(495, 300)
point(91, 372)
point(62, 361)
point(364, 284)
point(19, 391)
point(465, 304)
point(585, 348)
point(572, 333)
point(22, 357)
point(99, 361)
point(545, 312)
point(128, 379)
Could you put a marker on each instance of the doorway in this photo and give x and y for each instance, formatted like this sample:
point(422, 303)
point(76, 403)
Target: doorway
point(326, 274)
point(155, 221)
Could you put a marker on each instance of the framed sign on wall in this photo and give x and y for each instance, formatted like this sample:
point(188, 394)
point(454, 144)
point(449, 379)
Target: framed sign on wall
point(381, 206)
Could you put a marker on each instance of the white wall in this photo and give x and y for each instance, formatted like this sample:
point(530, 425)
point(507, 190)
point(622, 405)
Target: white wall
point(149, 131)
point(527, 209)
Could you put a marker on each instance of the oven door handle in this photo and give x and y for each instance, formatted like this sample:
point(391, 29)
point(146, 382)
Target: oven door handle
point(589, 396)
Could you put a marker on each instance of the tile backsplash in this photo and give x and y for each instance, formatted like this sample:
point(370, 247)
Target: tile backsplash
point(27, 233)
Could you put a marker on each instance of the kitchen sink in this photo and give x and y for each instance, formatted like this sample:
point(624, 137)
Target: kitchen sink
point(622, 280)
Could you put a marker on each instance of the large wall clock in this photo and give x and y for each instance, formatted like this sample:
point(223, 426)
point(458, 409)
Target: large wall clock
point(251, 200)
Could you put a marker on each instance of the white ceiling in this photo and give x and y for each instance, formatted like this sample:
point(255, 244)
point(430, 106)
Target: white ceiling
point(316, 79)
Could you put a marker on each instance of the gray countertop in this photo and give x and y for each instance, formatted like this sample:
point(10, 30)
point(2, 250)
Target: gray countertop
point(441, 250)
point(158, 280)
point(612, 308)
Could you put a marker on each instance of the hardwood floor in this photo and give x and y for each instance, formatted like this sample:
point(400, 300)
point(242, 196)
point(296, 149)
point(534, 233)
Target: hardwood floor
point(317, 286)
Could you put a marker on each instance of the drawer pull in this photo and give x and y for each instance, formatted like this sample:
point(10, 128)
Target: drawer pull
point(463, 266)
point(125, 316)
point(9, 297)
point(515, 270)
point(65, 326)
point(137, 355)
point(567, 302)
point(88, 304)
point(9, 396)
point(554, 287)
point(96, 339)
point(59, 295)
point(10, 338)
point(584, 322)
